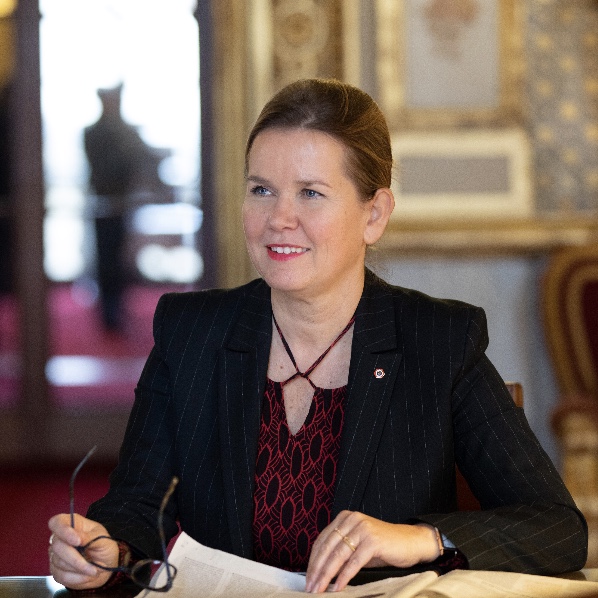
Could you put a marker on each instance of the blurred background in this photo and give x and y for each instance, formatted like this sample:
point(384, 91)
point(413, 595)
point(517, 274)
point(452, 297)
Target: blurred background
point(122, 130)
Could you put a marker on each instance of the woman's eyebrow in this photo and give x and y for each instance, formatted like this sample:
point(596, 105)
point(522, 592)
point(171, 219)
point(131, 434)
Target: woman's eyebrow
point(253, 178)
point(256, 179)
point(309, 182)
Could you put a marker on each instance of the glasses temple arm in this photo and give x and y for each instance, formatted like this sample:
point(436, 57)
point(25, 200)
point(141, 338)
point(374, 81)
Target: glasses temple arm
point(72, 483)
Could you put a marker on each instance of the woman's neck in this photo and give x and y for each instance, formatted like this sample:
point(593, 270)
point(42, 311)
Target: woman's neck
point(316, 319)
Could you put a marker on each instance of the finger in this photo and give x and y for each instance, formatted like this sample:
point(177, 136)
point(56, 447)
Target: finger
point(320, 553)
point(66, 558)
point(327, 538)
point(352, 566)
point(61, 529)
point(345, 539)
point(325, 535)
point(344, 565)
point(85, 529)
point(59, 564)
point(71, 575)
point(334, 552)
point(77, 581)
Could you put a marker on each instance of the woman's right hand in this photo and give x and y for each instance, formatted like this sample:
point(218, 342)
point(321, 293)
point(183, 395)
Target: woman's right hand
point(67, 565)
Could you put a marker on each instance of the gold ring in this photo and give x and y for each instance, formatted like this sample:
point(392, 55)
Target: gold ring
point(349, 543)
point(345, 539)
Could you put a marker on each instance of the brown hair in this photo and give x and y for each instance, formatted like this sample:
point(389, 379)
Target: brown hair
point(342, 111)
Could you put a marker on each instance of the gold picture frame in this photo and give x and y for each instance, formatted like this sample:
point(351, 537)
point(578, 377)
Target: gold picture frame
point(473, 175)
point(449, 63)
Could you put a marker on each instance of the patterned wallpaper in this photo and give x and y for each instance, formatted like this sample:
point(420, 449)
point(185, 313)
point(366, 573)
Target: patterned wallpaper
point(562, 102)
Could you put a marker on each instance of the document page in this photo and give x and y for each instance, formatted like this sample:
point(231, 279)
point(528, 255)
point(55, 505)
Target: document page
point(207, 573)
point(210, 573)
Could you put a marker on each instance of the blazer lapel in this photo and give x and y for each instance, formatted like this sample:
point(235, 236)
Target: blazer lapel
point(243, 365)
point(374, 366)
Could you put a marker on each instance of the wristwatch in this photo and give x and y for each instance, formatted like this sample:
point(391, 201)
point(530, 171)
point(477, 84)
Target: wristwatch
point(443, 542)
point(446, 543)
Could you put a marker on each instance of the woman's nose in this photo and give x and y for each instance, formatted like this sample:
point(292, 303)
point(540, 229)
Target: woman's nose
point(283, 213)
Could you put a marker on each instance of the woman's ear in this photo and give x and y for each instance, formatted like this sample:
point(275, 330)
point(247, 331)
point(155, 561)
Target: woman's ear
point(381, 207)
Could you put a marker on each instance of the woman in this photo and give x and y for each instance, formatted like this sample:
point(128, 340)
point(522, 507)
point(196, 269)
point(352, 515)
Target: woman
point(315, 416)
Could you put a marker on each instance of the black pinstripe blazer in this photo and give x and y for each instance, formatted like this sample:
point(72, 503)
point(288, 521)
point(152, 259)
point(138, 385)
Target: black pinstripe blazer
point(441, 402)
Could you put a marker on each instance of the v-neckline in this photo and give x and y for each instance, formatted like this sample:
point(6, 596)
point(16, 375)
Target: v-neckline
point(279, 388)
point(317, 362)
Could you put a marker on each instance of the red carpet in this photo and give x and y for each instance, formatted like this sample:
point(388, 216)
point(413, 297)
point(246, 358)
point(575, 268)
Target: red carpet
point(28, 498)
point(75, 330)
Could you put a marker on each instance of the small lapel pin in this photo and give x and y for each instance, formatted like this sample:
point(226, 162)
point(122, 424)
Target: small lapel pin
point(379, 373)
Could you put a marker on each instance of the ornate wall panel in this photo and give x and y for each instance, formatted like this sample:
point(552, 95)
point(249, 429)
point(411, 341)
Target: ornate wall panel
point(558, 91)
point(562, 92)
point(449, 63)
point(295, 39)
point(307, 40)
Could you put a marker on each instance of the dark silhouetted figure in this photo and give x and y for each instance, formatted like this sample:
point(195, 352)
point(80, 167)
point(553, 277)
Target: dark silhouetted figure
point(116, 155)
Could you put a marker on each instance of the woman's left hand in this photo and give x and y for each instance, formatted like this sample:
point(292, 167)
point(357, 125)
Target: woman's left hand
point(354, 540)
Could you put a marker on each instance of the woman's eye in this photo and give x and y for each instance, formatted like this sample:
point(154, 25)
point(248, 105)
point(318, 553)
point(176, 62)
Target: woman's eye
point(259, 190)
point(311, 193)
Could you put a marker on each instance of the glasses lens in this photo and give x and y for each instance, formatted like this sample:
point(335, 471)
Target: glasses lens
point(153, 575)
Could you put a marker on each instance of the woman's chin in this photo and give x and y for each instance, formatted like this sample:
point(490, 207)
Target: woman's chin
point(286, 282)
point(285, 285)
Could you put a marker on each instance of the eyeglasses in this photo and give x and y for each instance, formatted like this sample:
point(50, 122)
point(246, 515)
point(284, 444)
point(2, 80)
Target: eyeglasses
point(139, 571)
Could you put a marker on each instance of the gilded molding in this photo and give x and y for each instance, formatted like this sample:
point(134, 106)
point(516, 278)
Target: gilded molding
point(232, 123)
point(392, 76)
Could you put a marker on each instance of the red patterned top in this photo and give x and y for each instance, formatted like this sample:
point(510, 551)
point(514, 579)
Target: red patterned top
point(295, 476)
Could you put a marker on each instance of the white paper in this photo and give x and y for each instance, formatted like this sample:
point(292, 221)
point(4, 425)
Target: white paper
point(210, 573)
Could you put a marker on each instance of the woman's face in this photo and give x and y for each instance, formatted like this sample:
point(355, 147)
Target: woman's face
point(305, 226)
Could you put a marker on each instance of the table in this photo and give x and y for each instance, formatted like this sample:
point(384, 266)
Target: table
point(46, 587)
point(27, 587)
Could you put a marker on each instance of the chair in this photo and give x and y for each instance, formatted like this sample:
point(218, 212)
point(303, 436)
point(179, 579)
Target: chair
point(570, 311)
point(570, 314)
point(466, 501)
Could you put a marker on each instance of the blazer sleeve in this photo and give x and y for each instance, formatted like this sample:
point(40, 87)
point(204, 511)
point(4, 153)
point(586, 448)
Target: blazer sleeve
point(528, 522)
point(145, 469)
